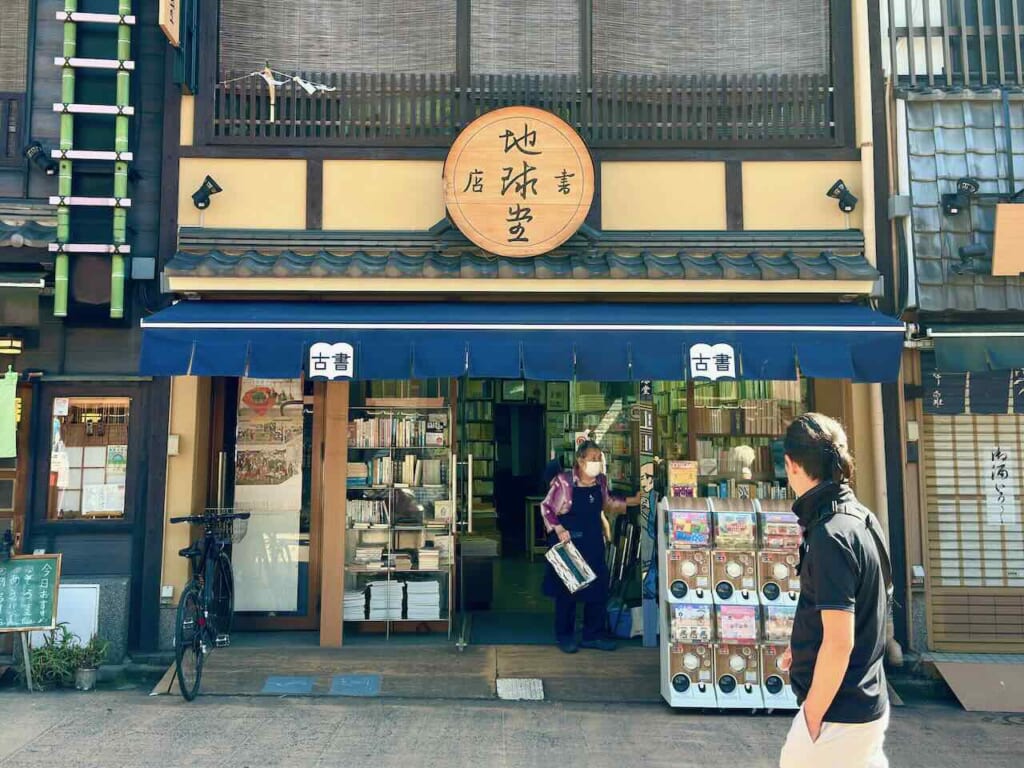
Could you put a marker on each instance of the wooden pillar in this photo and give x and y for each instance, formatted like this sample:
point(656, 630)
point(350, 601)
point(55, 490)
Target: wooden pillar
point(334, 473)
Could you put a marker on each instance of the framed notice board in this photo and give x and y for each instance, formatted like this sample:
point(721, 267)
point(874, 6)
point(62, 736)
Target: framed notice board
point(28, 592)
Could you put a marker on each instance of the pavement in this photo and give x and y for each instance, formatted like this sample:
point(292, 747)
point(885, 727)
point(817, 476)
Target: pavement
point(115, 728)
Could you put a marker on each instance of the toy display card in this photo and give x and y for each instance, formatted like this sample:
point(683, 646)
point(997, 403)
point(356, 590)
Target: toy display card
point(689, 530)
point(780, 530)
point(737, 623)
point(778, 623)
point(735, 530)
point(691, 623)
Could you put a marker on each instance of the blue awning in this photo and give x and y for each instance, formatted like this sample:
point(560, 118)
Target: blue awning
point(590, 341)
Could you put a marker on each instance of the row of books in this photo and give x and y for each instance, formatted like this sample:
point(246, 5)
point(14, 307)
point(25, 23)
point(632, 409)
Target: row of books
point(364, 512)
point(480, 450)
point(426, 558)
point(751, 417)
point(392, 600)
point(478, 431)
point(733, 530)
point(409, 470)
point(691, 623)
point(716, 459)
point(735, 489)
point(399, 431)
point(731, 391)
point(479, 411)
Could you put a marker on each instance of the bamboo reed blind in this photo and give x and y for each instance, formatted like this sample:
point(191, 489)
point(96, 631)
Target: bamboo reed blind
point(13, 44)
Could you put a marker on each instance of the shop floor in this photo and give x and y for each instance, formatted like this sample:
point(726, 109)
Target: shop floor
point(400, 670)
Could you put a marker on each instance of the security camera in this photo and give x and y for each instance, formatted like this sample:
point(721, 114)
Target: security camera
point(40, 159)
point(954, 202)
point(201, 197)
point(840, 192)
point(974, 259)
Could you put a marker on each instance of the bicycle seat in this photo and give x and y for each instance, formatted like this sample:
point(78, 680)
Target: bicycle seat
point(191, 551)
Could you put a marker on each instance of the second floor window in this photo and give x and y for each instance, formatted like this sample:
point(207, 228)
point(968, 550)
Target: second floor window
point(371, 36)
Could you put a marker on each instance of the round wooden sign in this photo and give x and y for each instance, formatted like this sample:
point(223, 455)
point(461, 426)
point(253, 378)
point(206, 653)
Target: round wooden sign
point(518, 181)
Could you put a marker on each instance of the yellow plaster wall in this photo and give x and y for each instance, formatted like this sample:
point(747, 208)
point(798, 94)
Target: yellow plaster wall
point(187, 473)
point(258, 193)
point(188, 119)
point(662, 195)
point(791, 195)
point(383, 194)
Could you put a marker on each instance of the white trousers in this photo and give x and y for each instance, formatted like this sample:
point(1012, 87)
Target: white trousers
point(839, 745)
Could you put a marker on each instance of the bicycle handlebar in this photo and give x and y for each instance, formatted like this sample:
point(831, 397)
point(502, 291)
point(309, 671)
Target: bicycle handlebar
point(212, 517)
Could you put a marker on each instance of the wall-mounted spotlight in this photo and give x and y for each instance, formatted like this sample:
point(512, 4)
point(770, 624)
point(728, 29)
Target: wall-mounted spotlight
point(40, 159)
point(954, 202)
point(201, 197)
point(974, 260)
point(840, 192)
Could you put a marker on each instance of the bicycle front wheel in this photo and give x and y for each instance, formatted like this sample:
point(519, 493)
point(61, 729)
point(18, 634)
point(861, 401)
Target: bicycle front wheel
point(188, 642)
point(222, 599)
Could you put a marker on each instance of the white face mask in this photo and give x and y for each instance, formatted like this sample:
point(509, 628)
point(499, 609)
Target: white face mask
point(592, 468)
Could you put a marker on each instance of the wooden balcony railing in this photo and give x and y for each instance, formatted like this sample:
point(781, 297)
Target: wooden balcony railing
point(955, 43)
point(614, 111)
point(12, 125)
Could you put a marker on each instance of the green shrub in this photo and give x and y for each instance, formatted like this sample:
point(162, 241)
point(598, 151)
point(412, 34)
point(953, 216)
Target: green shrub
point(55, 661)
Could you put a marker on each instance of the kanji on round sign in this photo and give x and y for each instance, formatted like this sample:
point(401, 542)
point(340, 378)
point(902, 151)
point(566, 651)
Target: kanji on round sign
point(518, 181)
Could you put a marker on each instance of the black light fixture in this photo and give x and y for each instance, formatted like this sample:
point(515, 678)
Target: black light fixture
point(201, 197)
point(40, 158)
point(975, 259)
point(954, 202)
point(839, 191)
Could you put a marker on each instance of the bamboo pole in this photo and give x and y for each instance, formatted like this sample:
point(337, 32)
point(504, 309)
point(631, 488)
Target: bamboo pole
point(67, 139)
point(123, 96)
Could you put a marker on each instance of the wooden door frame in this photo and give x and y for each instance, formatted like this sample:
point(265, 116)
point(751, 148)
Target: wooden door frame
point(311, 621)
point(22, 466)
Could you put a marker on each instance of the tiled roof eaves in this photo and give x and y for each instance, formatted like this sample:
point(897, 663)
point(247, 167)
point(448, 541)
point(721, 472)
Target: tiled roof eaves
point(644, 265)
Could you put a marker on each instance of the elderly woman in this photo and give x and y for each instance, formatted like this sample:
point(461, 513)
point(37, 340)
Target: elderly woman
point(574, 511)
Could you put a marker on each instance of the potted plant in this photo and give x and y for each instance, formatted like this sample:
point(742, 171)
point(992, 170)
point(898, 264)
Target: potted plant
point(54, 662)
point(88, 660)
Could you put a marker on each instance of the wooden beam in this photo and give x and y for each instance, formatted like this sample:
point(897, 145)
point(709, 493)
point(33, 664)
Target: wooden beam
point(335, 472)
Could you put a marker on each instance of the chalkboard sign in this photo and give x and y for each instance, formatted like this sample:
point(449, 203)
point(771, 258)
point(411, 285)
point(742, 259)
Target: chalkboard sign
point(28, 592)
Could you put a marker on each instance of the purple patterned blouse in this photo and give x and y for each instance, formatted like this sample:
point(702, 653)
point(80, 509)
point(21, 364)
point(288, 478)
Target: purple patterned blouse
point(559, 498)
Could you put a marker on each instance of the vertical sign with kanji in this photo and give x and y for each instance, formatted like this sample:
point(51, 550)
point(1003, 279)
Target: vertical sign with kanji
point(518, 181)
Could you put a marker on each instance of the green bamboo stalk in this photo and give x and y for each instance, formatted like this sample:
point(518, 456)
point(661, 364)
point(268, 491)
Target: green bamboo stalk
point(123, 96)
point(60, 286)
point(67, 138)
point(117, 286)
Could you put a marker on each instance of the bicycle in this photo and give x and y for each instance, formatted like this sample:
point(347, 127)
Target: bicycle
point(207, 604)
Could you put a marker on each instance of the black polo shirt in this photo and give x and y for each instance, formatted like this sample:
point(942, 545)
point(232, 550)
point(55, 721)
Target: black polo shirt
point(840, 570)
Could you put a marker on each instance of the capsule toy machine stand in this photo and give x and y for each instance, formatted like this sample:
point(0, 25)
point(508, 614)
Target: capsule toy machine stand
point(778, 580)
point(738, 683)
point(779, 594)
point(775, 684)
point(734, 557)
point(686, 622)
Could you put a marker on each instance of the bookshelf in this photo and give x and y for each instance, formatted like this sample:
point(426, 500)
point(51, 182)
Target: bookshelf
point(399, 516)
point(476, 430)
point(732, 431)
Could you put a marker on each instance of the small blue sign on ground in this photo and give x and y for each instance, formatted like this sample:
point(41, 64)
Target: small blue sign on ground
point(284, 684)
point(355, 685)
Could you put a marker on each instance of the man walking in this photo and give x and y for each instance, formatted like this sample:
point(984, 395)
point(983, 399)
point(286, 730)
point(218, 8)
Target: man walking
point(838, 639)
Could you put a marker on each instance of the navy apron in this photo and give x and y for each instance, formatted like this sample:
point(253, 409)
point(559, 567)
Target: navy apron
point(583, 522)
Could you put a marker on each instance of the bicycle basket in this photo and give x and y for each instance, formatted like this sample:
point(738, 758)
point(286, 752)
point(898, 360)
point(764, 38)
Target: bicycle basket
point(231, 530)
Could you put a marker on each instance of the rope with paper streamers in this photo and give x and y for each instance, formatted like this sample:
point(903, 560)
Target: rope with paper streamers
point(269, 76)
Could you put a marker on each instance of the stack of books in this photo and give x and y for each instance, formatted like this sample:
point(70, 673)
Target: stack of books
point(354, 605)
point(358, 474)
point(369, 556)
point(385, 600)
point(429, 559)
point(423, 600)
